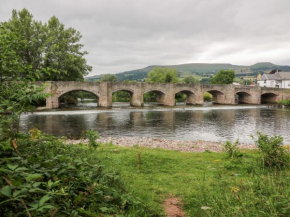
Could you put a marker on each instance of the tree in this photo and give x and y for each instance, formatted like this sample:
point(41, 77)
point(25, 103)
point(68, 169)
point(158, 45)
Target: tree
point(162, 75)
point(223, 77)
point(109, 78)
point(17, 87)
point(49, 47)
point(190, 80)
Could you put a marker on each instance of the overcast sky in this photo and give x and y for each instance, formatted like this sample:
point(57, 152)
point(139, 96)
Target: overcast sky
point(123, 35)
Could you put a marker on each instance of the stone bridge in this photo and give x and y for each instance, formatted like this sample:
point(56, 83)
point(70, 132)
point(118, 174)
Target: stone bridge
point(222, 94)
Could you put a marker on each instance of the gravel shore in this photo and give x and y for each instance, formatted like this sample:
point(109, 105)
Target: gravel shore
point(178, 145)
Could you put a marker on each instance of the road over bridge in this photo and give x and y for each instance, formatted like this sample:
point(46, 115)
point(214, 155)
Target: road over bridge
point(222, 94)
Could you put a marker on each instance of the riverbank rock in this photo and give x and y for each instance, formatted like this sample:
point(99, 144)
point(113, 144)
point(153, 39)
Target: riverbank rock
point(178, 145)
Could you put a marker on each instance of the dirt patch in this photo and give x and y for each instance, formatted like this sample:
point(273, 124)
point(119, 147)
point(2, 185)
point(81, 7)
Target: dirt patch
point(172, 207)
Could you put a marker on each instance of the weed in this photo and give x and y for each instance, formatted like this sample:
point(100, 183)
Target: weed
point(272, 151)
point(50, 178)
point(232, 149)
point(34, 134)
point(92, 137)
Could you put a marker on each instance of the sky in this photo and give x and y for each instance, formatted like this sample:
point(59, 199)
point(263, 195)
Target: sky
point(122, 35)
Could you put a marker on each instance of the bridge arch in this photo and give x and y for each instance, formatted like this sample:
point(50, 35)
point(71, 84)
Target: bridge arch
point(218, 97)
point(190, 96)
point(123, 95)
point(63, 93)
point(243, 97)
point(158, 94)
point(269, 98)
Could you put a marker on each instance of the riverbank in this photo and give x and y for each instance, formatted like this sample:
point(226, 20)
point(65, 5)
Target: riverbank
point(177, 145)
point(206, 184)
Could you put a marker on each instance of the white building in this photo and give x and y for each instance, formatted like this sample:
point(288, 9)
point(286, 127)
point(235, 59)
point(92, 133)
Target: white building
point(275, 79)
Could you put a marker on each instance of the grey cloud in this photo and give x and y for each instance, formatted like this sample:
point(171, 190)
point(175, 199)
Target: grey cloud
point(125, 34)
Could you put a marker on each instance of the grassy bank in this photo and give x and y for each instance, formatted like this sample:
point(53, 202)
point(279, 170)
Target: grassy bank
point(42, 176)
point(209, 184)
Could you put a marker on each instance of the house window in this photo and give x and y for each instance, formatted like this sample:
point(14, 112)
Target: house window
point(288, 84)
point(264, 81)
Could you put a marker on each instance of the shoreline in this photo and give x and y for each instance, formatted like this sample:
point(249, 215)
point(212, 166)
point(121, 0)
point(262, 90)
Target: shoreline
point(177, 145)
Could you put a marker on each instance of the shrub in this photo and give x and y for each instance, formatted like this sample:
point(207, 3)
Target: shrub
point(207, 97)
point(92, 136)
point(232, 149)
point(285, 102)
point(272, 150)
point(50, 178)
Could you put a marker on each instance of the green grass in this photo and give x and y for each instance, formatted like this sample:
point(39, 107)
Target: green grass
point(241, 187)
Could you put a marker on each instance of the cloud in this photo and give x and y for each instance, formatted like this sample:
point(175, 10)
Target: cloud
point(123, 35)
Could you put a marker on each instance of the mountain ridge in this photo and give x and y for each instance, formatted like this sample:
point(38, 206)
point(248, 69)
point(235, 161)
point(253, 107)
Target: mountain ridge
point(199, 70)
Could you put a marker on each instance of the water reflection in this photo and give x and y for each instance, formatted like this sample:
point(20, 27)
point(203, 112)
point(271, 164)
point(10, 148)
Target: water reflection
point(213, 124)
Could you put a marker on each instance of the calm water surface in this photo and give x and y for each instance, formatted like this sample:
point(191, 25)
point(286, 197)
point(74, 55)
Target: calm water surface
point(212, 123)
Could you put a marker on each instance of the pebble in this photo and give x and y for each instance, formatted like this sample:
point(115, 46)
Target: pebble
point(178, 145)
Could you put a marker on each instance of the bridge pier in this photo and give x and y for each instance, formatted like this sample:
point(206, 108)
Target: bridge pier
point(136, 99)
point(52, 102)
point(199, 98)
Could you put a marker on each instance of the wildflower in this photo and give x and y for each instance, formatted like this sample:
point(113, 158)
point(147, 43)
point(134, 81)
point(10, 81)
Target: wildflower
point(235, 190)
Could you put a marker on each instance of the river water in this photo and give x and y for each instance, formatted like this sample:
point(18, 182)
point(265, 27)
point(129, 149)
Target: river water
point(210, 123)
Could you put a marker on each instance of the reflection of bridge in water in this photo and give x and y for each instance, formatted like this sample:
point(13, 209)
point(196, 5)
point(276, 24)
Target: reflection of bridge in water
point(222, 94)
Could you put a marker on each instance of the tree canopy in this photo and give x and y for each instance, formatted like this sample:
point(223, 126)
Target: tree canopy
point(162, 75)
point(223, 77)
point(17, 89)
point(190, 80)
point(109, 78)
point(49, 47)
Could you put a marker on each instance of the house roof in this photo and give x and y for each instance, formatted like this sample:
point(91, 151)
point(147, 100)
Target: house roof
point(277, 76)
point(285, 75)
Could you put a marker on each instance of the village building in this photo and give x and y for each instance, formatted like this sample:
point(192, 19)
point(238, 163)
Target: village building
point(275, 78)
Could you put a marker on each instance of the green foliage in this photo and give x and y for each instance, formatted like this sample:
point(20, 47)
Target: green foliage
point(272, 151)
point(285, 102)
point(180, 97)
point(232, 149)
point(207, 97)
point(223, 77)
point(92, 137)
point(162, 75)
point(17, 87)
point(49, 178)
point(121, 96)
point(190, 80)
point(109, 78)
point(223, 187)
point(150, 97)
point(49, 48)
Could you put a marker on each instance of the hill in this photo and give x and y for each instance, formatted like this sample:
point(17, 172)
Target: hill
point(199, 70)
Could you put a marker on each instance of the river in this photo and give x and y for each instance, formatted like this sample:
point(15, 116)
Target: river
point(210, 123)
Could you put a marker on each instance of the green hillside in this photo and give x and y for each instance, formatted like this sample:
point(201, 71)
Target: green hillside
point(199, 70)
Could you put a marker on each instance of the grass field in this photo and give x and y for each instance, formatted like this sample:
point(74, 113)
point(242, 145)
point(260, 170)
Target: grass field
point(209, 184)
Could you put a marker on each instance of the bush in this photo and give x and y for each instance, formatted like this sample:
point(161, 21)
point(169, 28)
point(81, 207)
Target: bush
point(232, 149)
point(92, 136)
point(272, 150)
point(50, 178)
point(207, 97)
point(285, 102)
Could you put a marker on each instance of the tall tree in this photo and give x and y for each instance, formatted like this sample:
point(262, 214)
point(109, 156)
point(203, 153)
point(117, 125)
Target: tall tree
point(17, 87)
point(49, 47)
point(162, 75)
point(223, 77)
